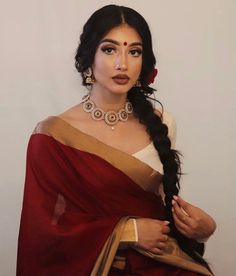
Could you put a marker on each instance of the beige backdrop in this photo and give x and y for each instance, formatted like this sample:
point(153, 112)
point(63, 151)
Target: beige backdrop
point(195, 45)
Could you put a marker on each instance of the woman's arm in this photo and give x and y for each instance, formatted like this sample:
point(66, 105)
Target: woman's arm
point(192, 221)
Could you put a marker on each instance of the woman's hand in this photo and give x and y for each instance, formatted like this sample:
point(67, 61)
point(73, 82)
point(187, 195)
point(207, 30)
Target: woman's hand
point(191, 221)
point(152, 234)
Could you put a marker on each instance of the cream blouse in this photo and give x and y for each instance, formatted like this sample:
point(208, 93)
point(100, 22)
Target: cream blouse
point(149, 154)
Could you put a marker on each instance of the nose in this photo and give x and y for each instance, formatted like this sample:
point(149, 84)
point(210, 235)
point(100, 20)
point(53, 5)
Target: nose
point(121, 62)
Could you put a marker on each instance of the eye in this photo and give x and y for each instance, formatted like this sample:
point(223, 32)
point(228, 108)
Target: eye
point(136, 52)
point(108, 50)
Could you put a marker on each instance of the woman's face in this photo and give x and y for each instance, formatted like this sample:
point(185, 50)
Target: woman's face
point(118, 60)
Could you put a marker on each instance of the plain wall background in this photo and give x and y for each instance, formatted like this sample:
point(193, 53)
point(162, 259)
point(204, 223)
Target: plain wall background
point(195, 44)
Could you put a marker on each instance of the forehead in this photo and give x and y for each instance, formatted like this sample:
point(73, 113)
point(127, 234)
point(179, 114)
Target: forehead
point(123, 33)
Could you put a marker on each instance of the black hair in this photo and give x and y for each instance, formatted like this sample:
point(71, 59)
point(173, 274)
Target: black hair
point(100, 23)
point(97, 26)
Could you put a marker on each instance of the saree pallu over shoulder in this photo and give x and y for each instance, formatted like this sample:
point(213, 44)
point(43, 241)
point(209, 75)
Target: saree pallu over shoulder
point(78, 197)
point(138, 171)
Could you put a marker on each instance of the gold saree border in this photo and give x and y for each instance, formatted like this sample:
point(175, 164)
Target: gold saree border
point(107, 255)
point(141, 173)
point(172, 255)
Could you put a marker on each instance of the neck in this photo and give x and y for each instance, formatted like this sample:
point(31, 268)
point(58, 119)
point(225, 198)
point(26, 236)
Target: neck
point(108, 101)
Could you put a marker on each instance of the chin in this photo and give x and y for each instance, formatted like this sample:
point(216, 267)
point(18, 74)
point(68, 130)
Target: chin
point(115, 88)
point(122, 89)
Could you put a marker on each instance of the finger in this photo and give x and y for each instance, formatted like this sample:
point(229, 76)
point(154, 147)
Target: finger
point(161, 245)
point(156, 251)
point(164, 226)
point(162, 222)
point(165, 229)
point(164, 238)
point(185, 229)
point(180, 214)
point(179, 224)
point(184, 204)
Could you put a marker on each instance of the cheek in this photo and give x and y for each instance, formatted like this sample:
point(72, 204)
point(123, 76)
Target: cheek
point(137, 67)
point(102, 66)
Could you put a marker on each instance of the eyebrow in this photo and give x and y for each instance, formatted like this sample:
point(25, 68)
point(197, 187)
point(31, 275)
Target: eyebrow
point(118, 43)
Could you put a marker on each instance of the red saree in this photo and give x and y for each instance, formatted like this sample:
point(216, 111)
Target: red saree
point(79, 193)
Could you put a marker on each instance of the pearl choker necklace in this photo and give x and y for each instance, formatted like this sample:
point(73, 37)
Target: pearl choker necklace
point(111, 118)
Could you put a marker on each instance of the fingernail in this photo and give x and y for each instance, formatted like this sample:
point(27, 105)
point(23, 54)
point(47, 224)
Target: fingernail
point(175, 197)
point(166, 222)
point(173, 202)
point(172, 209)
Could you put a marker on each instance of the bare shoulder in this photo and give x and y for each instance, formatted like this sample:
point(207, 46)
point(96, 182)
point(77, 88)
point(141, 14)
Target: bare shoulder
point(79, 119)
point(75, 113)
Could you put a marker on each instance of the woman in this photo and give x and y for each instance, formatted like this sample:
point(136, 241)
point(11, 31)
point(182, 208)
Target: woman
point(93, 194)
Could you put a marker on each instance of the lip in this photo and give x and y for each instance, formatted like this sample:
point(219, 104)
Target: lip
point(121, 79)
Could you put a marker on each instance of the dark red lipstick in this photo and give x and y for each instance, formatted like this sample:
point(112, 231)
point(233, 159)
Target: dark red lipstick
point(121, 79)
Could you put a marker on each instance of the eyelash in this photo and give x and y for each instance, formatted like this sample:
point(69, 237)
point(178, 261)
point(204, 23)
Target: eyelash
point(138, 51)
point(134, 51)
point(105, 49)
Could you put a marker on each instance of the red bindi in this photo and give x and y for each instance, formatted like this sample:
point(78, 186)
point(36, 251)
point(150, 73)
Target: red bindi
point(125, 43)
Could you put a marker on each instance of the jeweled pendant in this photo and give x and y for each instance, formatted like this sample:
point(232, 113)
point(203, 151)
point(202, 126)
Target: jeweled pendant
point(97, 114)
point(111, 118)
point(88, 106)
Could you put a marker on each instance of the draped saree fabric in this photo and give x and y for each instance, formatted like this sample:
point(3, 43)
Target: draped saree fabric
point(79, 194)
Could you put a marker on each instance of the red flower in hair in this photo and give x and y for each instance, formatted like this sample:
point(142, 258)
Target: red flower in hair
point(152, 76)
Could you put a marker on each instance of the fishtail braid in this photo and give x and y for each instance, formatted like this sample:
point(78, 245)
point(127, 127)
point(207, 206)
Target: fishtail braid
point(170, 159)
